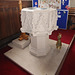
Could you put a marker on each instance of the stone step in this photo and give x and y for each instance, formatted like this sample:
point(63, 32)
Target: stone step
point(21, 44)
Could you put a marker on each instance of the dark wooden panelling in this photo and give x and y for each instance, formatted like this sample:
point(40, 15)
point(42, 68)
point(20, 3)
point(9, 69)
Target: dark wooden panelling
point(71, 18)
point(10, 17)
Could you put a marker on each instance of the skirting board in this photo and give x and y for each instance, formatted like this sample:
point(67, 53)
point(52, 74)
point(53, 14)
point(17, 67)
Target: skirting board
point(47, 65)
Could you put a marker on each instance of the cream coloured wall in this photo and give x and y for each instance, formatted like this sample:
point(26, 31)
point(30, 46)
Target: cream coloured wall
point(72, 3)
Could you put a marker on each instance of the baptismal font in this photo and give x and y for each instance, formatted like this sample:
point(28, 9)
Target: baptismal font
point(39, 23)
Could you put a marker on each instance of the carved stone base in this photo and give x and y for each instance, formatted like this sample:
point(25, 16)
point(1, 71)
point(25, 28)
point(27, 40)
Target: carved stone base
point(39, 45)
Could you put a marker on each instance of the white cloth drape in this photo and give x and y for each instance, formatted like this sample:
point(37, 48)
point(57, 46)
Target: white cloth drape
point(39, 21)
